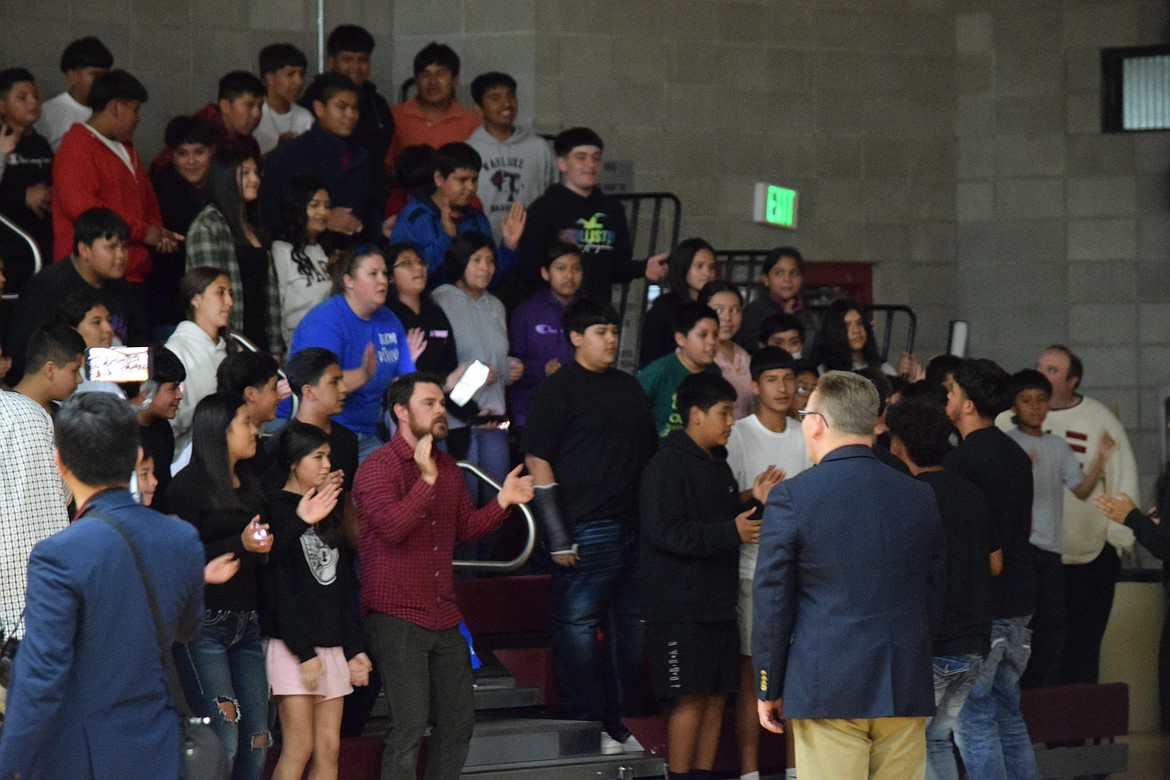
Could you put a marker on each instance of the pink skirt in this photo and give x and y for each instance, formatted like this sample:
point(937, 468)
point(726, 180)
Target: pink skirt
point(284, 672)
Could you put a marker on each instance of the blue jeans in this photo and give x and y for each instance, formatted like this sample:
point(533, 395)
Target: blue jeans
point(599, 593)
point(990, 731)
point(225, 665)
point(953, 677)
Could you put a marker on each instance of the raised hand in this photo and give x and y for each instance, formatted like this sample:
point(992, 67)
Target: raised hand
point(764, 482)
point(416, 340)
point(428, 469)
point(369, 364)
point(513, 225)
point(315, 505)
point(516, 489)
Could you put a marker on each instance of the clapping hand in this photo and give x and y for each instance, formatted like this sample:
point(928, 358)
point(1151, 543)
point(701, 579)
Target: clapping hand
point(764, 482)
point(513, 225)
point(1116, 508)
point(516, 489)
point(315, 505)
point(221, 568)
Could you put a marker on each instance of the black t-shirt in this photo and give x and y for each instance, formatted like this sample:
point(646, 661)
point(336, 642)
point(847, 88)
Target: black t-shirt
point(966, 516)
point(158, 441)
point(1002, 470)
point(597, 431)
point(343, 452)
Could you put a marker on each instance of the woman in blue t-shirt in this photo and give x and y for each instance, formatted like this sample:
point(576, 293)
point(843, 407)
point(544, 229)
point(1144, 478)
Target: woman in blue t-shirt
point(369, 341)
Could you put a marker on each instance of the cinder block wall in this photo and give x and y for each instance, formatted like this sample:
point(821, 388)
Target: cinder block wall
point(1063, 233)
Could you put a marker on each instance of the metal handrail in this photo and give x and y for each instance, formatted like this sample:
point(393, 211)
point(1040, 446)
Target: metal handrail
point(32, 244)
point(890, 310)
point(632, 202)
point(530, 521)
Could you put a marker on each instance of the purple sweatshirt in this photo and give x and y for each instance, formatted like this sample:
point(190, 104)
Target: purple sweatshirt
point(537, 337)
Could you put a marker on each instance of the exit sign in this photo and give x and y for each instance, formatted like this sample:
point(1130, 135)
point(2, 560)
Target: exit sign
point(775, 206)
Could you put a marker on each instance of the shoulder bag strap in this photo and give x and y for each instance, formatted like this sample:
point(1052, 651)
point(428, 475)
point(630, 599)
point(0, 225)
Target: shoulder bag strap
point(173, 683)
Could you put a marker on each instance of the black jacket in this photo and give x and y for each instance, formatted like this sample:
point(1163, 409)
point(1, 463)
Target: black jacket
point(690, 546)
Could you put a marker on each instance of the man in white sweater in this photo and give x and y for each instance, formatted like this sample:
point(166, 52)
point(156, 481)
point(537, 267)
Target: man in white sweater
point(1091, 542)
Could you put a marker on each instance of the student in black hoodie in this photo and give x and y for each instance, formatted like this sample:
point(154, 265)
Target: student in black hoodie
point(690, 573)
point(578, 212)
point(315, 654)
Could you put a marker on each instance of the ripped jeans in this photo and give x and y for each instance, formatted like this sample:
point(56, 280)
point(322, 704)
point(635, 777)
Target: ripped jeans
point(224, 667)
point(990, 731)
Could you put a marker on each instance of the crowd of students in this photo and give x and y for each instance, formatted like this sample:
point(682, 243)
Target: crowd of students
point(375, 254)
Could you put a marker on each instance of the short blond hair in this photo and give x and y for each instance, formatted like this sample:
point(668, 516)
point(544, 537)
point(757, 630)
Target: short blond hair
point(848, 401)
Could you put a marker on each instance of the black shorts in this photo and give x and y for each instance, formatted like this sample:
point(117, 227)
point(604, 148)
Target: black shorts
point(693, 659)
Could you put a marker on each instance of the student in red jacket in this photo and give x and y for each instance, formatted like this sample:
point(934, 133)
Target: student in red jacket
point(97, 165)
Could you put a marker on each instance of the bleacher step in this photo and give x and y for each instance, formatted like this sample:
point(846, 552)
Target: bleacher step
point(550, 748)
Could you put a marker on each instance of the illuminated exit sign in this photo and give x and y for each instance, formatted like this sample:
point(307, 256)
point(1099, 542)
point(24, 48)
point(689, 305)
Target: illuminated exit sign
point(775, 206)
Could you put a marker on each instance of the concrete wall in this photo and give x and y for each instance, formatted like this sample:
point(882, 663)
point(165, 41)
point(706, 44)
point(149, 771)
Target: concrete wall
point(955, 143)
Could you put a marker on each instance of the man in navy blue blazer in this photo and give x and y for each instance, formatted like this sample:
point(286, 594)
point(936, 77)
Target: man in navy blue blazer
point(848, 591)
point(89, 695)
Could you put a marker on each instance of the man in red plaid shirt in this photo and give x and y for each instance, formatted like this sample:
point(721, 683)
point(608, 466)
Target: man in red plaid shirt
point(412, 507)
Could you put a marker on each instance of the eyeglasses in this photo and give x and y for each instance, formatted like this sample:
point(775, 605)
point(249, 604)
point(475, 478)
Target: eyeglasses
point(802, 413)
point(409, 262)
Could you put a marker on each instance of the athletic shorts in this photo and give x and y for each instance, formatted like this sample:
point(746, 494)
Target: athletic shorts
point(693, 659)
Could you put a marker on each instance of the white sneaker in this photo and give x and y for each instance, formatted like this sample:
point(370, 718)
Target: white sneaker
point(611, 747)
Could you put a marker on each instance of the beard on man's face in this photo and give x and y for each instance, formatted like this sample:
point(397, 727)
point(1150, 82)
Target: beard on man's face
point(438, 429)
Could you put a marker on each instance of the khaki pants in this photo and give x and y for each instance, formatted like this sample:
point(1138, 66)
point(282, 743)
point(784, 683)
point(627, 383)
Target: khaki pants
point(861, 749)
